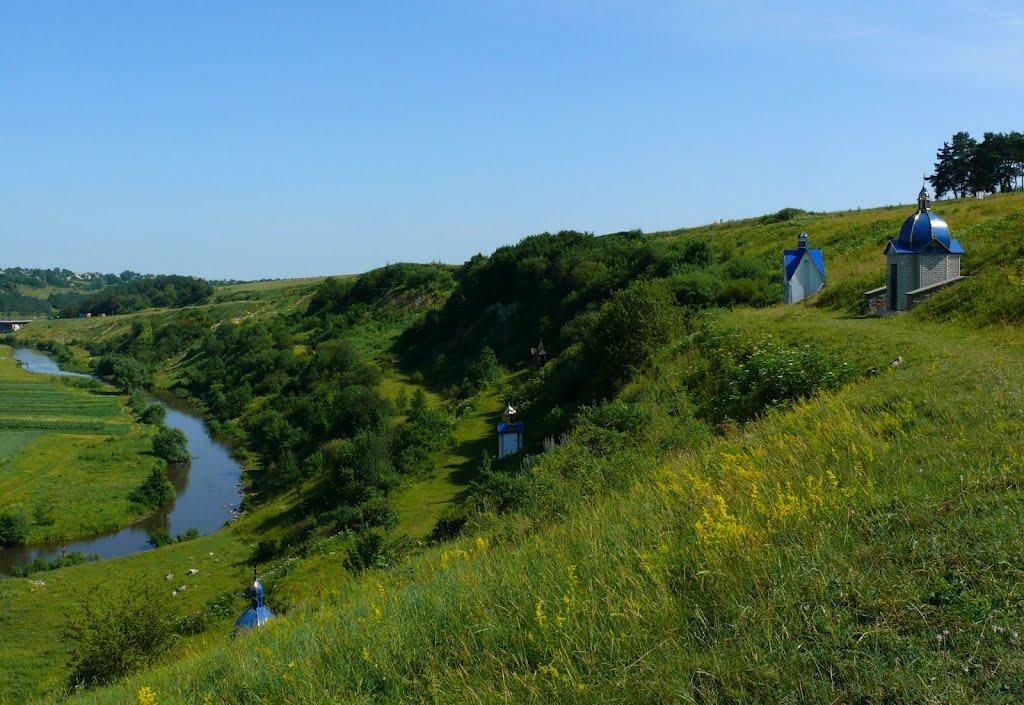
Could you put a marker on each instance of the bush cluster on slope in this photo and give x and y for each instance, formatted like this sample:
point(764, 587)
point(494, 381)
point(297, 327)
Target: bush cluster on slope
point(539, 286)
point(152, 292)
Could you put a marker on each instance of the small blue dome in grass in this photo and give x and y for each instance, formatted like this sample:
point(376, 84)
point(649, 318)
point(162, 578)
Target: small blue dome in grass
point(257, 614)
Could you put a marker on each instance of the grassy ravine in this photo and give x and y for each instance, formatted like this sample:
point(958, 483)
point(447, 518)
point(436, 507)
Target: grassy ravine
point(862, 546)
point(894, 582)
point(67, 454)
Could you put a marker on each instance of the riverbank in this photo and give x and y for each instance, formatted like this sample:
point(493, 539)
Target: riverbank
point(208, 492)
point(70, 454)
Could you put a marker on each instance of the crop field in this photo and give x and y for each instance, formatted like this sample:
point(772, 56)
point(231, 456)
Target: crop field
point(69, 456)
point(53, 405)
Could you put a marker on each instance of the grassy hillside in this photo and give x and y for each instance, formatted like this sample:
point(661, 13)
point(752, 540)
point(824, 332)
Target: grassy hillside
point(853, 242)
point(858, 547)
point(733, 505)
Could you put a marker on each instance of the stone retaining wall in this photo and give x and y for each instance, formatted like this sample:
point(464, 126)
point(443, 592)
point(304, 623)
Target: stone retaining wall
point(876, 301)
point(926, 292)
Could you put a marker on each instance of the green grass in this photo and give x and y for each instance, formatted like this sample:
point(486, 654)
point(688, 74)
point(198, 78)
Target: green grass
point(853, 242)
point(272, 289)
point(420, 504)
point(13, 441)
point(72, 454)
point(33, 663)
point(858, 547)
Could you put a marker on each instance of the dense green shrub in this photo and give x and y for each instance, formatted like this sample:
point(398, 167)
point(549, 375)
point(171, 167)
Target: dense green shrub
point(126, 372)
point(155, 491)
point(159, 537)
point(40, 564)
point(697, 289)
point(633, 326)
point(485, 369)
point(171, 444)
point(14, 527)
point(537, 288)
point(422, 434)
point(784, 215)
point(610, 426)
point(187, 535)
point(111, 639)
point(338, 296)
point(735, 378)
point(373, 549)
point(153, 414)
point(449, 524)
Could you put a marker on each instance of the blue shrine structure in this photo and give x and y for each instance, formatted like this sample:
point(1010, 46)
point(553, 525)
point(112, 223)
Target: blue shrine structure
point(510, 434)
point(921, 261)
point(257, 614)
point(803, 271)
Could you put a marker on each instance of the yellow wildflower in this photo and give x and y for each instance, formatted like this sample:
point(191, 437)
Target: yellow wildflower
point(146, 696)
point(718, 528)
point(538, 614)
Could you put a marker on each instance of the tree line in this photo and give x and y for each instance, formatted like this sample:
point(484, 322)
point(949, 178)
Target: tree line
point(965, 166)
point(161, 291)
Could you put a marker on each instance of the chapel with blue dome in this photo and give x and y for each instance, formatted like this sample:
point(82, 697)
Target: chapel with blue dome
point(923, 259)
point(257, 614)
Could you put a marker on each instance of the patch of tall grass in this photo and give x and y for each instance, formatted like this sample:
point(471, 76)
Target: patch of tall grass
point(856, 547)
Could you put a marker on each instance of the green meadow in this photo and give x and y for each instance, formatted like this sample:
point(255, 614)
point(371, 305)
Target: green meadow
point(856, 547)
point(854, 541)
point(70, 454)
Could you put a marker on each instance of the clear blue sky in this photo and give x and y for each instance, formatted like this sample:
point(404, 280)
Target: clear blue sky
point(266, 140)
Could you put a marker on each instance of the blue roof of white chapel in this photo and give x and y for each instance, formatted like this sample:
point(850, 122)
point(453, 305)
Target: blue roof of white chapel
point(791, 260)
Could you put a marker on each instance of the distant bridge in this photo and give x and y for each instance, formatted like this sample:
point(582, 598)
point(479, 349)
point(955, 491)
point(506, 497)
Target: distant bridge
point(8, 325)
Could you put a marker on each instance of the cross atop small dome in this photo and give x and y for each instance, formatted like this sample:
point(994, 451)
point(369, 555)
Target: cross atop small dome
point(258, 613)
point(923, 199)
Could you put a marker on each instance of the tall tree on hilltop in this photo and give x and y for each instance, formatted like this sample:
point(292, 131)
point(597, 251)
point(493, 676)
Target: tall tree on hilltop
point(1015, 150)
point(954, 166)
point(940, 179)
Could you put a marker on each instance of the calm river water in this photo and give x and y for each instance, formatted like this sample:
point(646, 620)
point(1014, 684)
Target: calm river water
point(208, 487)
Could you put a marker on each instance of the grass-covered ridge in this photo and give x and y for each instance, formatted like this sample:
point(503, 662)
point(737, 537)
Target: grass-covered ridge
point(853, 548)
point(718, 506)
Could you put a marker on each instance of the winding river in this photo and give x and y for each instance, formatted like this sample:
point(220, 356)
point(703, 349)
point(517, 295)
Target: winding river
point(208, 488)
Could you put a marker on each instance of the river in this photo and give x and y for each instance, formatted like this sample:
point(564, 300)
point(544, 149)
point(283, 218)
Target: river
point(208, 487)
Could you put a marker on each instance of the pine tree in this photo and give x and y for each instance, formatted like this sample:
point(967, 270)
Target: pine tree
point(940, 179)
point(962, 151)
point(954, 166)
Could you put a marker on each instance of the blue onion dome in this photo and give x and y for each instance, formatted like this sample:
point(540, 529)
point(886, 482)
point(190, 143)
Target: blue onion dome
point(925, 230)
point(257, 614)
